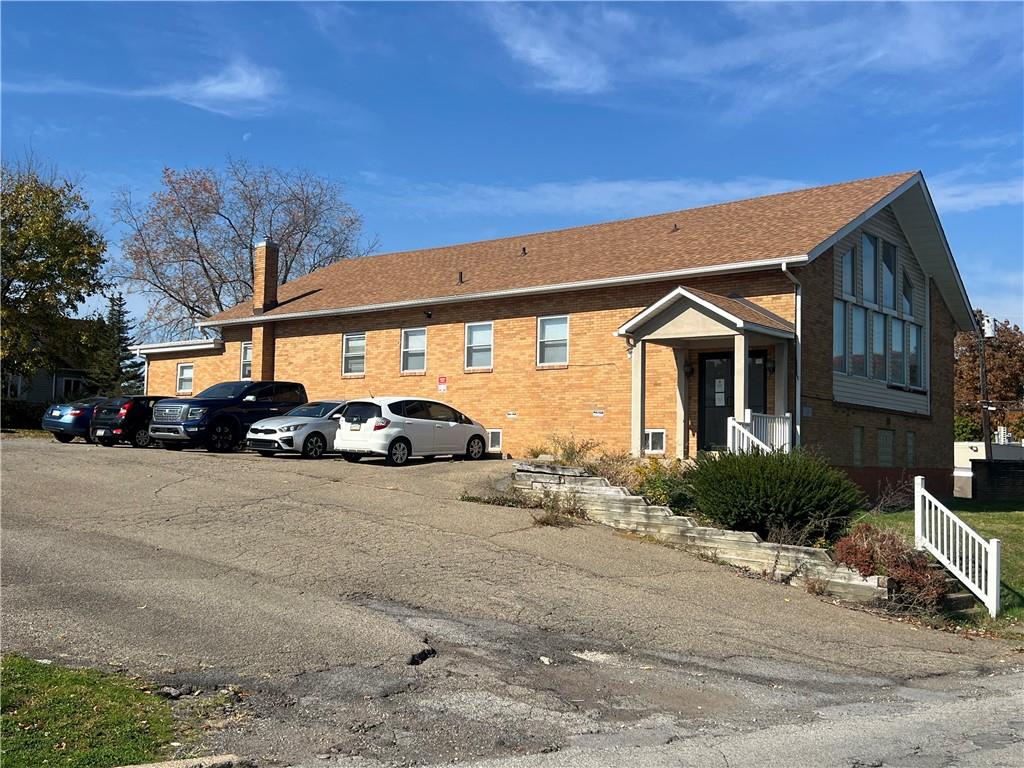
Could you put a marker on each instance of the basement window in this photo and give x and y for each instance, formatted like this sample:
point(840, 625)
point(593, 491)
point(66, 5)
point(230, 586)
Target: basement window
point(654, 441)
point(494, 440)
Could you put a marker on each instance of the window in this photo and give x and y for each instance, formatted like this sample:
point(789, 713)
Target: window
point(263, 394)
point(888, 275)
point(353, 354)
point(479, 345)
point(654, 441)
point(859, 354)
point(360, 413)
point(414, 350)
point(908, 295)
point(869, 263)
point(885, 441)
point(858, 446)
point(440, 412)
point(184, 377)
point(914, 358)
point(14, 386)
point(911, 449)
point(246, 372)
point(553, 340)
point(838, 336)
point(848, 273)
point(72, 386)
point(415, 409)
point(897, 360)
point(877, 346)
point(289, 393)
point(494, 440)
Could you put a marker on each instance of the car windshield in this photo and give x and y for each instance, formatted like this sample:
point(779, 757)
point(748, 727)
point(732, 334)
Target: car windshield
point(315, 410)
point(226, 389)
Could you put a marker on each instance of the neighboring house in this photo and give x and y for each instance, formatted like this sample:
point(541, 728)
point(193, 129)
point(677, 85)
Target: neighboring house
point(837, 305)
point(62, 380)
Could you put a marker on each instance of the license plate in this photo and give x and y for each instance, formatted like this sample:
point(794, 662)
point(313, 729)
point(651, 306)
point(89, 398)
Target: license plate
point(55, 412)
point(101, 432)
point(356, 427)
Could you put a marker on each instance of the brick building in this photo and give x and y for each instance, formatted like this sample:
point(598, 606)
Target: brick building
point(830, 310)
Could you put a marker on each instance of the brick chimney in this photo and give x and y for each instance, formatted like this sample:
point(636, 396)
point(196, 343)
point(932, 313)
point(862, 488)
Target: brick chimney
point(264, 276)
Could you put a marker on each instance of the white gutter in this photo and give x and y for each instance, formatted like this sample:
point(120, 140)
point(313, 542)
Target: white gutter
point(581, 285)
point(188, 345)
point(798, 408)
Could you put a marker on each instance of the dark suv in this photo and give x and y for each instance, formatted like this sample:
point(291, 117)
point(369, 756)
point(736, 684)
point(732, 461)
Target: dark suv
point(218, 417)
point(123, 420)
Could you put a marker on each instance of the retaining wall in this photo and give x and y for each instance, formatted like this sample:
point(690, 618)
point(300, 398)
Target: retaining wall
point(616, 507)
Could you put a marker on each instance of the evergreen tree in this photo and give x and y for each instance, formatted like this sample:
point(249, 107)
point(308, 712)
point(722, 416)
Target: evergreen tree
point(115, 371)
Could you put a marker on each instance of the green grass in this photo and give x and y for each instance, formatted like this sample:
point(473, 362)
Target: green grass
point(55, 716)
point(991, 520)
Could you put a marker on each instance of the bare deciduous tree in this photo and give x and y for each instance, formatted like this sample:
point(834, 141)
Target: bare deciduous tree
point(190, 246)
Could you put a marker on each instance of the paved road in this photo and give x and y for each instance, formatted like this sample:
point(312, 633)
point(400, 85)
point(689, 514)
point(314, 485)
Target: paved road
point(311, 584)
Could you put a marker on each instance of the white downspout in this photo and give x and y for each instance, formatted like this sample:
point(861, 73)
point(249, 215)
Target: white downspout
point(798, 409)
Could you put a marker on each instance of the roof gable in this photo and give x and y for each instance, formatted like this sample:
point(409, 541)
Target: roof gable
point(756, 233)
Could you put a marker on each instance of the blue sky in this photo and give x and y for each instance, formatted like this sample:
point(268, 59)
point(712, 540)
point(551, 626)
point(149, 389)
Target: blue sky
point(455, 122)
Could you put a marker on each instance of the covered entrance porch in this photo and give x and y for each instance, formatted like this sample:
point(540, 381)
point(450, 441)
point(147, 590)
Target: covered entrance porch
point(732, 361)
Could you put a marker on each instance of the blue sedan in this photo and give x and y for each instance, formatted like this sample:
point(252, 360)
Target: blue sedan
point(70, 420)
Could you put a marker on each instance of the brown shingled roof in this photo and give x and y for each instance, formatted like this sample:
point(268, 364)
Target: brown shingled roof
point(744, 310)
point(761, 228)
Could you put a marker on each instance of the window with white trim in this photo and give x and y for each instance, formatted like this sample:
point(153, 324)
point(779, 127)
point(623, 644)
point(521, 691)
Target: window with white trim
point(14, 386)
point(553, 340)
point(654, 441)
point(839, 336)
point(479, 345)
point(183, 377)
point(353, 354)
point(494, 440)
point(246, 369)
point(414, 350)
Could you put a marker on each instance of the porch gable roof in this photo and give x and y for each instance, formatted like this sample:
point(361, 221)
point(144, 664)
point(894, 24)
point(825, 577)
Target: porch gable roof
point(737, 312)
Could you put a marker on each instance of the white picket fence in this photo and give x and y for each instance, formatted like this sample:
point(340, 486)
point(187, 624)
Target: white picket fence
point(759, 431)
point(967, 555)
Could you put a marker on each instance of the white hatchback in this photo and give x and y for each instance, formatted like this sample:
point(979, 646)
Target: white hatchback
point(400, 427)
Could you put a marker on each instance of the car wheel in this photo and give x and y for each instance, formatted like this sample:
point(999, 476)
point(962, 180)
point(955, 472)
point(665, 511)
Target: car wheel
point(141, 438)
point(267, 453)
point(475, 448)
point(314, 446)
point(222, 438)
point(63, 438)
point(351, 457)
point(398, 452)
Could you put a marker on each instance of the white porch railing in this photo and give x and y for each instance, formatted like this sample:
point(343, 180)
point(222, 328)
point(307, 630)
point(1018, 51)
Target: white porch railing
point(760, 431)
point(968, 556)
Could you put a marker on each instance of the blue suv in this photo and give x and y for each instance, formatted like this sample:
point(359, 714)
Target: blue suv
point(218, 417)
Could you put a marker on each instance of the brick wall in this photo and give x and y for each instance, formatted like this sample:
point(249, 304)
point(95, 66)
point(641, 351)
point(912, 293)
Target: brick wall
point(559, 399)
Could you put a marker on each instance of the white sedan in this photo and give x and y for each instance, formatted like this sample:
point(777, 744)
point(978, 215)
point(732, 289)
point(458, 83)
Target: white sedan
point(308, 429)
point(400, 427)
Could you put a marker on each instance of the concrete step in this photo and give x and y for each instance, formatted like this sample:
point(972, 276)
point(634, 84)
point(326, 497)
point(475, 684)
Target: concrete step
point(959, 601)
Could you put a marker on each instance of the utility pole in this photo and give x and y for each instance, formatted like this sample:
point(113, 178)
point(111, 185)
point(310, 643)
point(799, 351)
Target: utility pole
point(988, 330)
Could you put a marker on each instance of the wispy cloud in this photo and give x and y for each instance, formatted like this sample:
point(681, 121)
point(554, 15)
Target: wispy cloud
point(240, 89)
point(953, 194)
point(751, 57)
point(582, 199)
point(978, 143)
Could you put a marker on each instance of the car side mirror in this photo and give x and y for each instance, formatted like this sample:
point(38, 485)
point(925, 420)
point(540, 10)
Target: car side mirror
point(336, 417)
point(249, 399)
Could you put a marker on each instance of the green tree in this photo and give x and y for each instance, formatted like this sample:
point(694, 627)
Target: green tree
point(115, 370)
point(52, 257)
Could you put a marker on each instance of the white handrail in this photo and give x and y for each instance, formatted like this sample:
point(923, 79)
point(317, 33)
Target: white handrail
point(739, 439)
point(974, 560)
point(771, 430)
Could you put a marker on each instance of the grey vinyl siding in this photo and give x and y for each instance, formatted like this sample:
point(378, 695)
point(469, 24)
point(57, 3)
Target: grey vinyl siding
point(865, 391)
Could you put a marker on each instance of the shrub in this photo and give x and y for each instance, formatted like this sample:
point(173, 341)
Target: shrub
point(663, 483)
point(20, 414)
point(537, 451)
point(559, 509)
point(618, 468)
point(571, 451)
point(513, 497)
point(913, 583)
point(796, 493)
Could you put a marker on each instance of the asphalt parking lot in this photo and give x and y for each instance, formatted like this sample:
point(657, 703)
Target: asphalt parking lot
point(313, 584)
